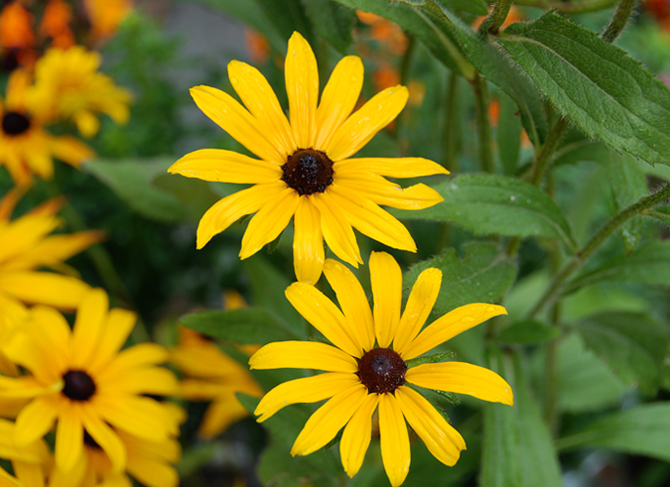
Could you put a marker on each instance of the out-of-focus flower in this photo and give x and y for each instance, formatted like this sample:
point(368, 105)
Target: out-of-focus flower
point(28, 461)
point(385, 77)
point(417, 92)
point(257, 46)
point(211, 375)
point(68, 85)
point(512, 16)
point(80, 379)
point(385, 32)
point(494, 111)
point(361, 377)
point(17, 38)
point(7, 480)
point(305, 172)
point(56, 24)
point(106, 15)
point(26, 148)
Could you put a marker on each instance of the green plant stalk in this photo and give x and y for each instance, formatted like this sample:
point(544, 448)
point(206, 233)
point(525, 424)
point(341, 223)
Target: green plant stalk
point(546, 156)
point(594, 244)
point(451, 131)
point(619, 20)
point(481, 92)
point(403, 69)
point(496, 18)
point(574, 7)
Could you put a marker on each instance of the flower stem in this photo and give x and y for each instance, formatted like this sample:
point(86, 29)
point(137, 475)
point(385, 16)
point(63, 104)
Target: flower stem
point(546, 156)
point(450, 138)
point(619, 20)
point(576, 6)
point(495, 19)
point(481, 92)
point(594, 244)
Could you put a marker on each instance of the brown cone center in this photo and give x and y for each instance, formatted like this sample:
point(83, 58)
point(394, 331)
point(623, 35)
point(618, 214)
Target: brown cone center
point(382, 370)
point(308, 171)
point(79, 386)
point(15, 123)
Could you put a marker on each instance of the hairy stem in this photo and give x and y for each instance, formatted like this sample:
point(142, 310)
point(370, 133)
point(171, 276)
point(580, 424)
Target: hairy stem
point(546, 156)
point(451, 131)
point(481, 92)
point(495, 19)
point(574, 7)
point(619, 20)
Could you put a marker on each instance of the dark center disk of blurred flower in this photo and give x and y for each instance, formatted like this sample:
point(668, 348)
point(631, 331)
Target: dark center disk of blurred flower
point(308, 171)
point(382, 370)
point(79, 386)
point(14, 123)
point(88, 440)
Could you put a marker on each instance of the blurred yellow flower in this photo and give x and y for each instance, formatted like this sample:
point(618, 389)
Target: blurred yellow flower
point(361, 377)
point(305, 172)
point(25, 147)
point(81, 379)
point(28, 460)
point(68, 85)
point(211, 375)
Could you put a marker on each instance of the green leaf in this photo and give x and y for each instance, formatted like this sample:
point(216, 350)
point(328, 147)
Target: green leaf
point(483, 275)
point(633, 345)
point(434, 35)
point(277, 467)
point(524, 332)
point(641, 430)
point(576, 147)
point(518, 449)
point(287, 16)
point(606, 93)
point(331, 21)
point(135, 182)
point(648, 264)
point(489, 204)
point(477, 7)
point(660, 213)
point(629, 183)
point(508, 135)
point(244, 326)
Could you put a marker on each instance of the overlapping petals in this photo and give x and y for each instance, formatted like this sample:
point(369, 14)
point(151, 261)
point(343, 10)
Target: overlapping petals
point(354, 329)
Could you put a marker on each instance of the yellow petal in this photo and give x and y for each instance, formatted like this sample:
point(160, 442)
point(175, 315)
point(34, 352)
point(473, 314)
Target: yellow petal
point(152, 472)
point(9, 201)
point(450, 325)
point(88, 327)
point(383, 192)
point(339, 98)
point(36, 419)
point(148, 380)
point(363, 124)
point(24, 233)
point(232, 117)
point(25, 387)
point(52, 332)
point(62, 292)
point(87, 123)
point(260, 99)
point(324, 424)
point(7, 480)
point(323, 315)
point(354, 303)
point(419, 305)
point(463, 379)
point(305, 390)
point(369, 219)
point(225, 166)
point(141, 416)
point(231, 208)
point(22, 349)
point(302, 88)
point(69, 149)
point(394, 440)
point(269, 222)
point(441, 439)
point(386, 279)
point(336, 230)
point(223, 412)
point(308, 253)
point(105, 436)
point(120, 323)
point(303, 355)
point(69, 438)
point(356, 436)
point(399, 167)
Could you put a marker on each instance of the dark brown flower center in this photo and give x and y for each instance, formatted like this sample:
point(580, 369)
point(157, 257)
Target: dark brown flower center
point(308, 171)
point(382, 370)
point(15, 123)
point(79, 386)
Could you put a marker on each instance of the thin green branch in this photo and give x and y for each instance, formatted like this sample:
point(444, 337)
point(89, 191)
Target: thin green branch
point(481, 92)
point(574, 7)
point(452, 127)
point(594, 244)
point(495, 19)
point(547, 154)
point(619, 20)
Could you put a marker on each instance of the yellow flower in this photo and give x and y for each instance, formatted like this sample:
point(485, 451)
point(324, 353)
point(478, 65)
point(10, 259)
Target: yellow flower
point(211, 375)
point(305, 170)
point(25, 147)
point(361, 377)
point(68, 85)
point(7, 480)
point(80, 378)
point(28, 460)
point(106, 15)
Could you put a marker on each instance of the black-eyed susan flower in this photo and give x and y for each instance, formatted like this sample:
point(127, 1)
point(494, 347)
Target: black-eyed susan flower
point(69, 86)
point(80, 379)
point(305, 171)
point(26, 148)
point(29, 460)
point(366, 369)
point(212, 375)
